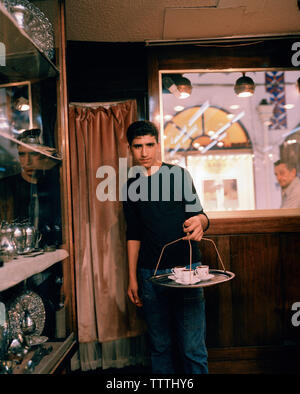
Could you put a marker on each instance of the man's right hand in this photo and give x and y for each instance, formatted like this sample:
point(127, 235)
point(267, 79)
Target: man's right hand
point(133, 294)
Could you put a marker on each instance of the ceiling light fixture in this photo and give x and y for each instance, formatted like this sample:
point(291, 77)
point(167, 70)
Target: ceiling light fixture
point(22, 104)
point(184, 87)
point(298, 84)
point(244, 86)
point(291, 142)
point(289, 106)
point(179, 108)
point(230, 116)
point(178, 85)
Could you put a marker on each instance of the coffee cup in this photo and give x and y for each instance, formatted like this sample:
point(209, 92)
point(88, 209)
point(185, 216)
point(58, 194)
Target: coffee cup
point(176, 271)
point(202, 271)
point(187, 276)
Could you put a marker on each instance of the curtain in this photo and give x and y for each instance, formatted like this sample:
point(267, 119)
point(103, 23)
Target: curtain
point(110, 330)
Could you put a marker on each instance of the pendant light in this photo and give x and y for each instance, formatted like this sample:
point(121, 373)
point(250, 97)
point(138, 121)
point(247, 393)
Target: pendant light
point(244, 86)
point(178, 85)
point(185, 87)
point(298, 84)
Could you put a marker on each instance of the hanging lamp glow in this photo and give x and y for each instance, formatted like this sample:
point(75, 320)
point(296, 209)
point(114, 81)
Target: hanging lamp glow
point(298, 85)
point(244, 86)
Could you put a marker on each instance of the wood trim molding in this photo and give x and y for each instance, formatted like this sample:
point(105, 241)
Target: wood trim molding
point(69, 263)
point(250, 225)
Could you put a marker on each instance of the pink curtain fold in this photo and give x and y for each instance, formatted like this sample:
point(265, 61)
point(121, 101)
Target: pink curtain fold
point(98, 138)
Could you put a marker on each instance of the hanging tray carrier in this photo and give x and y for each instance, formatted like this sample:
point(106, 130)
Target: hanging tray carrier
point(216, 276)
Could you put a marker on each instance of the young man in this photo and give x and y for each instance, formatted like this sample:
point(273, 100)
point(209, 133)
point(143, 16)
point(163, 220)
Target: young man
point(289, 183)
point(160, 206)
point(33, 194)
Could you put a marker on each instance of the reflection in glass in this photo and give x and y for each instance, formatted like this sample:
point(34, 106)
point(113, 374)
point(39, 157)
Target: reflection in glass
point(15, 107)
point(30, 198)
point(230, 143)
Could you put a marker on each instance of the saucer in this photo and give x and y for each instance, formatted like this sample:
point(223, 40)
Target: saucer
point(207, 277)
point(192, 282)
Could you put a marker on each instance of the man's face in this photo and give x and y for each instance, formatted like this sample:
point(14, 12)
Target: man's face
point(29, 160)
point(284, 175)
point(144, 151)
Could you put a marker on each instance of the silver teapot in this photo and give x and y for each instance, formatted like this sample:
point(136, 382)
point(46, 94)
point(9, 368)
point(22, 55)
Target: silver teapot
point(32, 238)
point(18, 238)
point(26, 238)
point(7, 245)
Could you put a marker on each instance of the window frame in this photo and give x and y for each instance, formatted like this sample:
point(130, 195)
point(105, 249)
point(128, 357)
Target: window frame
point(210, 56)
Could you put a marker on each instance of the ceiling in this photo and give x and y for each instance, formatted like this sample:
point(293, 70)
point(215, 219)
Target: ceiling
point(140, 20)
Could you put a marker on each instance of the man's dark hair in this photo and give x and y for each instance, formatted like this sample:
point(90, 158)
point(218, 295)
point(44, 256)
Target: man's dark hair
point(288, 164)
point(141, 128)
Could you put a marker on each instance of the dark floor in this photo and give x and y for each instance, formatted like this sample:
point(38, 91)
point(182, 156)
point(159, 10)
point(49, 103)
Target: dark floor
point(216, 367)
point(132, 370)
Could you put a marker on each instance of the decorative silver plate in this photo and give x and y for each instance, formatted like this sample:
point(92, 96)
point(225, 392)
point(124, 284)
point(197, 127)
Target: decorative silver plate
point(31, 304)
point(31, 19)
point(219, 276)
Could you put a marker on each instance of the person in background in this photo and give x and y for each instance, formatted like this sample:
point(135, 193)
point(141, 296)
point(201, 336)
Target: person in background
point(33, 194)
point(289, 183)
point(175, 318)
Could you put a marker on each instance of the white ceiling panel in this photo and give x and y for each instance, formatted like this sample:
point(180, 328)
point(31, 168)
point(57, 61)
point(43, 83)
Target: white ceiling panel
point(140, 20)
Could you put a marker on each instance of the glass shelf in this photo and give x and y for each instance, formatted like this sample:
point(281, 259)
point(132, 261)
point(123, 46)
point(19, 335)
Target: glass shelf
point(23, 267)
point(49, 363)
point(20, 58)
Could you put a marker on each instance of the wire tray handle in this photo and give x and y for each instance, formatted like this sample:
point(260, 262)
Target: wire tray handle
point(189, 241)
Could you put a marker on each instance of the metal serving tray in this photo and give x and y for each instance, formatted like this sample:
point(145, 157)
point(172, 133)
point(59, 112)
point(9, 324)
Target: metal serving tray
point(219, 276)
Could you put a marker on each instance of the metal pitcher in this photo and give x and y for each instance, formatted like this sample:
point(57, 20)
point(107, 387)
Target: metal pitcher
point(19, 238)
point(7, 245)
point(32, 238)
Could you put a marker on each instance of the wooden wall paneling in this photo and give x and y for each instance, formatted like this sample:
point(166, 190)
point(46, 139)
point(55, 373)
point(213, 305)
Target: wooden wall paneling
point(153, 85)
point(254, 360)
point(254, 225)
point(257, 289)
point(230, 55)
point(290, 263)
point(218, 298)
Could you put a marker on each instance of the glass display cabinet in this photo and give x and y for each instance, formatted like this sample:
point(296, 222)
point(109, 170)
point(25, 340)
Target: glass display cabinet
point(37, 322)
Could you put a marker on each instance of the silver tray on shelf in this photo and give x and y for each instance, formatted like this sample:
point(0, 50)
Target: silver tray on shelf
point(217, 277)
point(28, 304)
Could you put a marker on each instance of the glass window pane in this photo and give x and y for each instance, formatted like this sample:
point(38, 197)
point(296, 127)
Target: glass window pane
point(230, 142)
